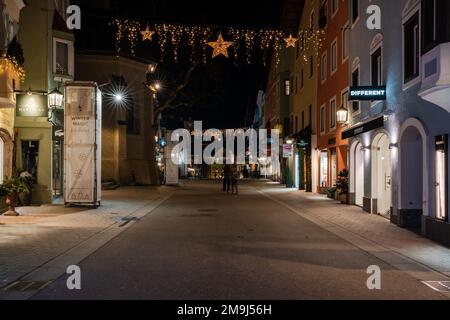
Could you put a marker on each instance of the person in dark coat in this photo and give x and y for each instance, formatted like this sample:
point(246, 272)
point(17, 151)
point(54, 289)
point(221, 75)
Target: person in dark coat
point(227, 174)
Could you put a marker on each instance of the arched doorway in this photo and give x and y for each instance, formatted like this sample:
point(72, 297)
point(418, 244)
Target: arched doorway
point(357, 172)
point(412, 192)
point(382, 175)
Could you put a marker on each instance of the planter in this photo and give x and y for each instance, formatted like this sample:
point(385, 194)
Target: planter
point(12, 201)
point(344, 198)
point(25, 199)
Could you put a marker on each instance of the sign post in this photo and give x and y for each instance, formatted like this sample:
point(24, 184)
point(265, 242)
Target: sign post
point(82, 151)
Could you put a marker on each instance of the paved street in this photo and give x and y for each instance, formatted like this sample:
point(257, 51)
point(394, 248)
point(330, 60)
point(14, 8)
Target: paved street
point(266, 243)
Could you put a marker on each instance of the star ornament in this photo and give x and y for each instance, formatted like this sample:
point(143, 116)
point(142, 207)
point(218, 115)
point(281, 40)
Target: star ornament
point(220, 46)
point(291, 41)
point(147, 34)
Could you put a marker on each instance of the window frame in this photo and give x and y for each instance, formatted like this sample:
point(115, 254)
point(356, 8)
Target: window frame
point(354, 68)
point(354, 21)
point(413, 81)
point(345, 35)
point(324, 77)
point(334, 58)
point(70, 58)
point(333, 128)
point(323, 119)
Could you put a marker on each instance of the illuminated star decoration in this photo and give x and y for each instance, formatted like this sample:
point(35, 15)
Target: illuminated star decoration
point(220, 46)
point(147, 34)
point(291, 41)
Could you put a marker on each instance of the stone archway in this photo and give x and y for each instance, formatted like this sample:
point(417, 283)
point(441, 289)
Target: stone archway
point(6, 154)
point(413, 175)
point(381, 175)
point(357, 173)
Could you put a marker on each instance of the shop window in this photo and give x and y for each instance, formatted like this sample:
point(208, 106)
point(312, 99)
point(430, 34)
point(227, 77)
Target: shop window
point(324, 169)
point(442, 177)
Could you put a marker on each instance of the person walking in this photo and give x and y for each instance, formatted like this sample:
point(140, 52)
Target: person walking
point(227, 173)
point(234, 182)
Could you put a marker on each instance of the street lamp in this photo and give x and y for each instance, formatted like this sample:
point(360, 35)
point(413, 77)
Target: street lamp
point(55, 99)
point(342, 115)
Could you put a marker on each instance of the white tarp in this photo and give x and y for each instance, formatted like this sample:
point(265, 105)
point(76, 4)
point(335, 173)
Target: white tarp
point(82, 144)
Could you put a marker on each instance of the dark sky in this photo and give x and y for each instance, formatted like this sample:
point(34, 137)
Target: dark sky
point(223, 92)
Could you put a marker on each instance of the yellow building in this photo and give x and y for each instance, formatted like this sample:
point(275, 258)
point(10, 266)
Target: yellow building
point(304, 100)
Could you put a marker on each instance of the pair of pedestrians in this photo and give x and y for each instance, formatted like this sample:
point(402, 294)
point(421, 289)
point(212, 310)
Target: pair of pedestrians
point(230, 180)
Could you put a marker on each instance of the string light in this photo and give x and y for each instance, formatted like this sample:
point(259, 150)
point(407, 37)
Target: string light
point(10, 64)
point(172, 37)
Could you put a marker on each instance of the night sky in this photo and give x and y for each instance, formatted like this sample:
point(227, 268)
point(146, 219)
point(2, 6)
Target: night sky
point(223, 92)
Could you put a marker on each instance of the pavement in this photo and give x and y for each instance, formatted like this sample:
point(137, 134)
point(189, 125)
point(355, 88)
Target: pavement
point(194, 242)
point(43, 241)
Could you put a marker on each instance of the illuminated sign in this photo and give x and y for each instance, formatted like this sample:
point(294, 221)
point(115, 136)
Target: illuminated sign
point(367, 93)
point(33, 105)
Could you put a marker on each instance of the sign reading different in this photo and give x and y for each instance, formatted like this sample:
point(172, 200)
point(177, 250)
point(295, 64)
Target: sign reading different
point(367, 93)
point(34, 105)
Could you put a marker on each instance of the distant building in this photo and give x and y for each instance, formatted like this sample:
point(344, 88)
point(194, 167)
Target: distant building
point(129, 144)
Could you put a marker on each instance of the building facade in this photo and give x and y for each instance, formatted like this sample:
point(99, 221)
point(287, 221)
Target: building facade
point(129, 148)
point(332, 91)
point(49, 62)
point(10, 80)
point(398, 154)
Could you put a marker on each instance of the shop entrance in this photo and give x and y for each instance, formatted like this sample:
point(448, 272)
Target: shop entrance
point(381, 175)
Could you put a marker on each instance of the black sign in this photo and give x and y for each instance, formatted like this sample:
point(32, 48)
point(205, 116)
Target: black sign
point(367, 93)
point(34, 105)
point(363, 128)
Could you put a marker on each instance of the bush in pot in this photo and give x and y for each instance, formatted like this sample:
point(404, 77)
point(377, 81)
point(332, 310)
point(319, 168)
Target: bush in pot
point(342, 186)
point(11, 188)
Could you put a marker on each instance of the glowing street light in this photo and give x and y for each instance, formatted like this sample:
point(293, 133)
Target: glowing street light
point(342, 115)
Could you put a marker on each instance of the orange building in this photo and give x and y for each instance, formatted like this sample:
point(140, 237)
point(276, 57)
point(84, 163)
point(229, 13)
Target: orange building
point(333, 88)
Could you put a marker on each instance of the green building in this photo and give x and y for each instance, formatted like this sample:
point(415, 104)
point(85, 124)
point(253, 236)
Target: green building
point(49, 62)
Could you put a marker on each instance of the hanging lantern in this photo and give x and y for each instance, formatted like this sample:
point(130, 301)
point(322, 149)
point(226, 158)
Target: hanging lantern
point(55, 99)
point(342, 115)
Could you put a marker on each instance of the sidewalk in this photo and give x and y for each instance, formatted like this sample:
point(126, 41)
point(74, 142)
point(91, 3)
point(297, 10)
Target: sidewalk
point(44, 234)
point(371, 232)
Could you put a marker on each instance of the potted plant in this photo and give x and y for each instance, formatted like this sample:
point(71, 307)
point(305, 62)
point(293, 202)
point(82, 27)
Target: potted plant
point(331, 193)
point(26, 180)
point(11, 188)
point(342, 186)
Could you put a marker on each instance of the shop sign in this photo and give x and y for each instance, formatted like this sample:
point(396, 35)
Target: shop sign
point(373, 93)
point(363, 128)
point(34, 105)
point(287, 151)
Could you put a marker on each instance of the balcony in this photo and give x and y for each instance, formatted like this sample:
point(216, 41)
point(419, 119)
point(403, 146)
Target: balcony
point(436, 76)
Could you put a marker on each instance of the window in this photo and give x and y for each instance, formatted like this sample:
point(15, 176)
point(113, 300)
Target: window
point(303, 120)
point(345, 99)
point(324, 67)
point(411, 60)
point(334, 58)
point(355, 11)
point(302, 79)
point(296, 124)
point(311, 21)
point(355, 83)
point(63, 57)
point(291, 125)
point(345, 42)
point(310, 115)
point(287, 88)
point(323, 168)
point(322, 119)
point(333, 112)
point(311, 67)
point(377, 68)
point(429, 20)
point(334, 6)
point(323, 15)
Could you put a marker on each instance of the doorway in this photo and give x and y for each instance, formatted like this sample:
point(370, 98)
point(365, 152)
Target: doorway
point(333, 167)
point(411, 179)
point(382, 175)
point(357, 173)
